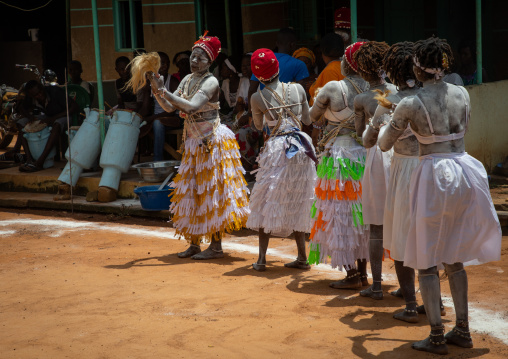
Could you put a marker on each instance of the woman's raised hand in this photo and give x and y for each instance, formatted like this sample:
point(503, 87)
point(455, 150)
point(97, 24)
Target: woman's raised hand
point(157, 84)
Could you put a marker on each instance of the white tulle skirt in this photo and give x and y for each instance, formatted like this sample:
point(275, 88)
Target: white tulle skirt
point(374, 184)
point(452, 215)
point(282, 196)
point(396, 217)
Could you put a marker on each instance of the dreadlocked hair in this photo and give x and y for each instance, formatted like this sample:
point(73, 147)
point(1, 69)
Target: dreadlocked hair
point(398, 62)
point(381, 98)
point(369, 58)
point(140, 66)
point(433, 53)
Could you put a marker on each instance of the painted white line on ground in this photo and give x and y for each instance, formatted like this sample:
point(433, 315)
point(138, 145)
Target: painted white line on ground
point(481, 320)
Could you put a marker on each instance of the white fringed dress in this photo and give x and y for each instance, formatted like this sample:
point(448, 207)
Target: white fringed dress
point(282, 196)
point(338, 231)
point(210, 194)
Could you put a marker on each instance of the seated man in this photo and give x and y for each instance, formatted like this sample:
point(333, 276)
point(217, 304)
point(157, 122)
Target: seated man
point(159, 114)
point(75, 71)
point(126, 99)
point(50, 101)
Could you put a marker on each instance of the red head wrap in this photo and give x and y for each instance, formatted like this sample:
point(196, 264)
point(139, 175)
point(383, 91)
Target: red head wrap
point(264, 64)
point(343, 18)
point(348, 54)
point(210, 44)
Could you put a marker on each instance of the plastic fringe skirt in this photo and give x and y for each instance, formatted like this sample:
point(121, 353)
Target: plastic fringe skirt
point(210, 194)
point(338, 232)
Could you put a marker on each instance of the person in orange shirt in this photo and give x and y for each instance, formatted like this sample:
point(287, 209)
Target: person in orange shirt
point(332, 49)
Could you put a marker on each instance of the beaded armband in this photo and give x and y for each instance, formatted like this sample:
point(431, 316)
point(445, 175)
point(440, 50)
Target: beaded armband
point(395, 127)
point(371, 125)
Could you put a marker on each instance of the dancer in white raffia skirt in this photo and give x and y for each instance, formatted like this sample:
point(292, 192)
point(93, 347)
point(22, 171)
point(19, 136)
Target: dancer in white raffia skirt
point(210, 193)
point(338, 231)
point(282, 196)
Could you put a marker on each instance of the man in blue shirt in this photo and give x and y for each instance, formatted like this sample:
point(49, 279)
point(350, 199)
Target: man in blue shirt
point(290, 69)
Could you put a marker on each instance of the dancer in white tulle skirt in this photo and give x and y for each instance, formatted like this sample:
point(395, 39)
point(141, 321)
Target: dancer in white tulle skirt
point(398, 63)
point(453, 219)
point(377, 165)
point(282, 196)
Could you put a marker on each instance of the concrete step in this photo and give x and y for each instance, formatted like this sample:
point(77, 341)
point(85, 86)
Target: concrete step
point(46, 181)
point(121, 207)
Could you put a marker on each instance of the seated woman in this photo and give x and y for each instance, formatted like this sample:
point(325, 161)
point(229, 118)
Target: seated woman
point(234, 97)
point(228, 94)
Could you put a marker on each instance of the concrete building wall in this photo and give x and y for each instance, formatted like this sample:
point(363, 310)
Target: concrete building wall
point(487, 136)
point(261, 21)
point(167, 26)
point(82, 41)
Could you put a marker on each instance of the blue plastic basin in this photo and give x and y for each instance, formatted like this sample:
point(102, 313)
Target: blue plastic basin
point(152, 199)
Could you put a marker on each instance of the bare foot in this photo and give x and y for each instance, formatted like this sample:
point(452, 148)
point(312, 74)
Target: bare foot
point(259, 267)
point(298, 264)
point(460, 337)
point(352, 282)
point(365, 282)
point(407, 316)
point(209, 253)
point(374, 294)
point(64, 193)
point(189, 252)
point(432, 347)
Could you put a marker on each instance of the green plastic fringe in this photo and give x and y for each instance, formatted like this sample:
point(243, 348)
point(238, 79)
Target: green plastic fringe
point(348, 169)
point(357, 213)
point(313, 210)
point(314, 254)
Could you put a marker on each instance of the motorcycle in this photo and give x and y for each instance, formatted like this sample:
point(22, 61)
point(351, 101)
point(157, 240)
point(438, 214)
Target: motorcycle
point(8, 128)
point(11, 97)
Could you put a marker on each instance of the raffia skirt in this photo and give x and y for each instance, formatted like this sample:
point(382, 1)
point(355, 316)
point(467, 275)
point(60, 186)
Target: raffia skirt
point(452, 215)
point(284, 190)
point(374, 184)
point(338, 229)
point(210, 193)
point(396, 218)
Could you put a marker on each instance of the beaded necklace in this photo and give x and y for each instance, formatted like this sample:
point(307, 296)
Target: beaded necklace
point(190, 120)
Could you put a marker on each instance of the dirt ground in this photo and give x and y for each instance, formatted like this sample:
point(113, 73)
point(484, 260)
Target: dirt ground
point(90, 286)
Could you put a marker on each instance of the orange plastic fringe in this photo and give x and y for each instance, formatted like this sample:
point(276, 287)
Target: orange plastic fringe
point(349, 192)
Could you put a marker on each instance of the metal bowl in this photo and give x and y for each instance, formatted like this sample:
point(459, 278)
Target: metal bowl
point(156, 171)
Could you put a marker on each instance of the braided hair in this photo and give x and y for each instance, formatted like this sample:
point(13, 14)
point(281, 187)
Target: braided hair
point(398, 62)
point(433, 53)
point(370, 59)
